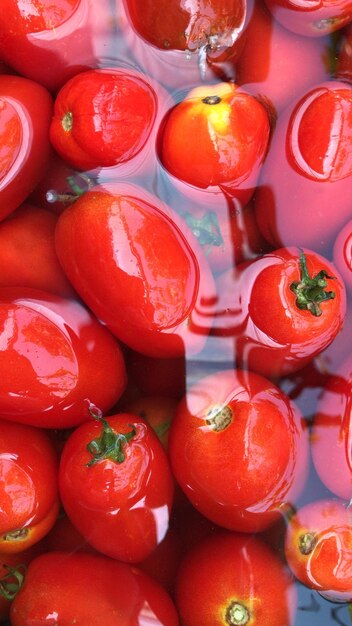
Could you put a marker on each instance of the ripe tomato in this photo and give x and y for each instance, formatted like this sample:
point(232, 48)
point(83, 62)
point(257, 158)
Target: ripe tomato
point(318, 548)
point(314, 18)
point(342, 254)
point(308, 170)
point(281, 309)
point(25, 114)
point(28, 486)
point(239, 449)
point(157, 411)
point(234, 580)
point(228, 128)
point(51, 41)
point(89, 589)
point(27, 252)
point(157, 377)
point(89, 130)
point(272, 59)
point(56, 360)
point(116, 486)
point(151, 287)
point(331, 435)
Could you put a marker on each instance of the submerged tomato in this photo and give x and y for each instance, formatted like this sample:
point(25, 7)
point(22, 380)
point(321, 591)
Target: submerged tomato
point(116, 486)
point(313, 18)
point(239, 449)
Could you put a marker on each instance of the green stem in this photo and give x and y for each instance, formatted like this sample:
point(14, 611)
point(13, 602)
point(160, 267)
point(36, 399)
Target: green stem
point(109, 445)
point(310, 292)
point(11, 583)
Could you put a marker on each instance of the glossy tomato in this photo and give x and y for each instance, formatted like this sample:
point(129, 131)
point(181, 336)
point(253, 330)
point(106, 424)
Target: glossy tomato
point(239, 449)
point(313, 18)
point(308, 170)
point(228, 128)
point(157, 411)
point(25, 114)
point(150, 286)
point(28, 486)
point(281, 309)
point(89, 589)
point(56, 360)
point(318, 548)
point(102, 117)
point(342, 254)
point(51, 41)
point(116, 486)
point(225, 581)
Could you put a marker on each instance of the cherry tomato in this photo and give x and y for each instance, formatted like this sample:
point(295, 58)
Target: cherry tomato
point(27, 252)
point(225, 581)
point(89, 589)
point(331, 435)
point(239, 449)
point(102, 118)
point(151, 287)
point(28, 486)
point(25, 113)
point(318, 548)
point(308, 170)
point(314, 18)
point(272, 59)
point(158, 413)
point(116, 486)
point(56, 360)
point(281, 309)
point(342, 254)
point(50, 41)
point(228, 128)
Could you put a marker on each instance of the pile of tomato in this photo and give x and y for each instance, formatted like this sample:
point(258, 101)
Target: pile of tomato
point(175, 312)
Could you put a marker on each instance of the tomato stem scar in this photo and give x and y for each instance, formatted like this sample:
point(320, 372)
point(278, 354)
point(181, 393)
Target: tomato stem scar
point(310, 292)
point(109, 445)
point(237, 614)
point(67, 122)
point(219, 417)
point(211, 100)
point(307, 543)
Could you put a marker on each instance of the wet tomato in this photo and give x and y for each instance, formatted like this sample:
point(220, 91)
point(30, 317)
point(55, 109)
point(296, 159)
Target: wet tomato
point(224, 582)
point(89, 589)
point(150, 286)
point(239, 449)
point(318, 548)
point(56, 360)
point(116, 486)
point(342, 254)
point(313, 18)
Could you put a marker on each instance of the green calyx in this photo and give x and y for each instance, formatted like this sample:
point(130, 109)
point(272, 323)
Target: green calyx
point(109, 445)
point(11, 583)
point(310, 292)
point(206, 229)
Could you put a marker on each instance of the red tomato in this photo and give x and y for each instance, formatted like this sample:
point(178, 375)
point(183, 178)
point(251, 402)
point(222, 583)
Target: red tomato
point(230, 131)
point(27, 252)
point(116, 486)
point(157, 377)
point(272, 59)
point(344, 56)
point(24, 124)
point(282, 310)
point(342, 254)
point(12, 571)
point(308, 170)
point(151, 287)
point(313, 18)
point(318, 548)
point(239, 449)
point(89, 589)
point(28, 486)
point(56, 360)
point(53, 40)
point(89, 130)
point(234, 580)
point(158, 412)
point(331, 435)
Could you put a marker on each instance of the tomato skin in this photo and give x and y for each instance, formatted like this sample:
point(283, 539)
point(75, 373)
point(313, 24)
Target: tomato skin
point(342, 254)
point(121, 508)
point(229, 569)
point(230, 131)
point(308, 165)
point(258, 308)
point(238, 477)
point(331, 435)
point(151, 287)
point(27, 252)
point(89, 589)
point(344, 56)
point(102, 118)
point(318, 548)
point(314, 18)
point(24, 124)
point(51, 42)
point(28, 486)
point(57, 360)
